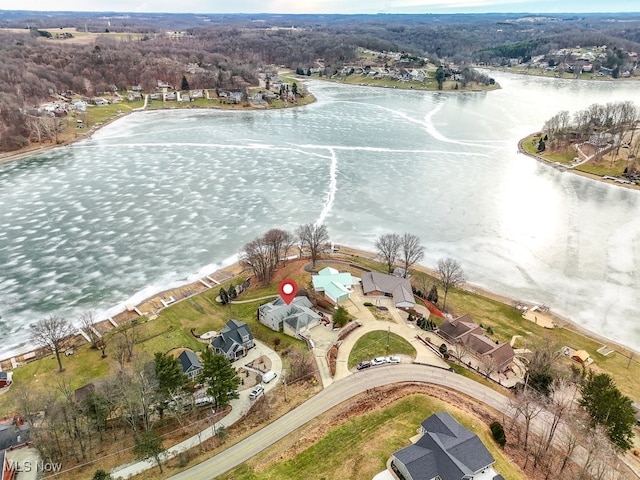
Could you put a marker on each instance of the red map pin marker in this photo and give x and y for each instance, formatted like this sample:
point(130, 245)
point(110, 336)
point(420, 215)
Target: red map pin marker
point(288, 290)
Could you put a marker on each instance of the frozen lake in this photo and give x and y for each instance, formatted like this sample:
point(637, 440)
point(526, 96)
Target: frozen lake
point(157, 198)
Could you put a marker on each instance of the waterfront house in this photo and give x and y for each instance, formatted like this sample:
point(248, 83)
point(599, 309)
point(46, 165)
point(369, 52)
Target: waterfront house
point(293, 319)
point(335, 285)
point(445, 451)
point(463, 330)
point(375, 283)
point(234, 340)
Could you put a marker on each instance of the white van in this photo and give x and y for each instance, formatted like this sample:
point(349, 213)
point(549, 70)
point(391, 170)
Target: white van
point(268, 376)
point(203, 401)
point(256, 392)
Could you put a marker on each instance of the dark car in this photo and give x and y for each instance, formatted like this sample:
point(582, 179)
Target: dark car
point(365, 364)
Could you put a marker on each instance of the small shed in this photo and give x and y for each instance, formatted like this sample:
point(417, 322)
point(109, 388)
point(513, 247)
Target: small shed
point(581, 356)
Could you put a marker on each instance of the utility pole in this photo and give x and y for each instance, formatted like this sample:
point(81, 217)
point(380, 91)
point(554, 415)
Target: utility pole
point(284, 380)
point(388, 335)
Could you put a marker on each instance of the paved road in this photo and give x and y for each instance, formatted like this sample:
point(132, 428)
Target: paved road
point(336, 393)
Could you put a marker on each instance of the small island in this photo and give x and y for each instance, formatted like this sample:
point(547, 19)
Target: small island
point(600, 142)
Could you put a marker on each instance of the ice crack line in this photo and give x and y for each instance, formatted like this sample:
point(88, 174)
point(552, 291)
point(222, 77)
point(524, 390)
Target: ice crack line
point(333, 186)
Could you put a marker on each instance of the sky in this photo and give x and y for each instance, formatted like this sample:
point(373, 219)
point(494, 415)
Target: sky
point(326, 6)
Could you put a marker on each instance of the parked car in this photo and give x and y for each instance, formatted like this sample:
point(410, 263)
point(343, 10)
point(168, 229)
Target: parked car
point(364, 364)
point(203, 401)
point(378, 361)
point(256, 392)
point(393, 359)
point(268, 376)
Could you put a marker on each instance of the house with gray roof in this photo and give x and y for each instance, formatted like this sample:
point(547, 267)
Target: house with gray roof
point(293, 319)
point(445, 451)
point(14, 431)
point(234, 340)
point(190, 363)
point(375, 283)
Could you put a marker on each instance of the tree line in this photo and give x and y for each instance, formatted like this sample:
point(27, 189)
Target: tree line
point(143, 396)
point(230, 51)
point(266, 252)
point(613, 123)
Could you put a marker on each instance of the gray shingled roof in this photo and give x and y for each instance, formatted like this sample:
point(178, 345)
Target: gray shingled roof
point(230, 337)
point(189, 361)
point(446, 449)
point(11, 435)
point(398, 288)
point(419, 460)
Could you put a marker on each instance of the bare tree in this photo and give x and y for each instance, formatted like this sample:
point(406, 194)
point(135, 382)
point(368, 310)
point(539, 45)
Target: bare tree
point(576, 429)
point(526, 405)
point(314, 237)
point(53, 333)
point(423, 283)
point(388, 246)
point(288, 241)
point(488, 365)
point(86, 321)
point(279, 243)
point(257, 255)
point(411, 251)
point(126, 339)
point(460, 350)
point(451, 275)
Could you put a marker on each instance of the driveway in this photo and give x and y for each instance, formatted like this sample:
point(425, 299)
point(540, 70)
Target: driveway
point(239, 408)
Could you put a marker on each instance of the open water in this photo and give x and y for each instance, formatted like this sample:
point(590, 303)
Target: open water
point(159, 198)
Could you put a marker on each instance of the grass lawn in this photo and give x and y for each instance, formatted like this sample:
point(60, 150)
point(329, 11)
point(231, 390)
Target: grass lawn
point(102, 113)
point(530, 144)
point(170, 330)
point(507, 321)
point(374, 344)
point(360, 448)
point(605, 167)
point(561, 157)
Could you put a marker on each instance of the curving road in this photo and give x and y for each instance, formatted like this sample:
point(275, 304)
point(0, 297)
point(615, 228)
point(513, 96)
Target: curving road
point(328, 398)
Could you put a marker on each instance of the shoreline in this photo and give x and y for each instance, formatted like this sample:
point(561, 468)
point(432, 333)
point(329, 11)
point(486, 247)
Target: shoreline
point(410, 87)
point(31, 150)
point(151, 306)
point(564, 168)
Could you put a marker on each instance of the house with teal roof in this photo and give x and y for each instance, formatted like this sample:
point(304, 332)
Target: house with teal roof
point(335, 285)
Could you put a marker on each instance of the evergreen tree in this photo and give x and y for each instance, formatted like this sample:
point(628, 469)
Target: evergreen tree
point(148, 445)
point(224, 297)
point(433, 295)
point(340, 317)
point(440, 76)
point(168, 374)
point(607, 406)
point(220, 377)
point(232, 293)
point(185, 84)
